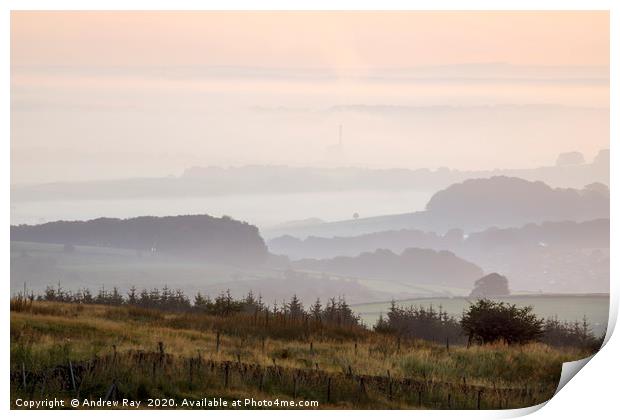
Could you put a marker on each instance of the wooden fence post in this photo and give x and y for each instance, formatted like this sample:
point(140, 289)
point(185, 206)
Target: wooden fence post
point(479, 398)
point(161, 352)
point(24, 375)
point(217, 342)
point(226, 373)
point(329, 388)
point(72, 376)
point(362, 387)
point(111, 390)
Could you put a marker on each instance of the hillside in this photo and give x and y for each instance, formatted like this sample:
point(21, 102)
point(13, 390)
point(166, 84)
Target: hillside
point(150, 353)
point(477, 204)
point(412, 266)
point(221, 240)
point(504, 202)
point(550, 256)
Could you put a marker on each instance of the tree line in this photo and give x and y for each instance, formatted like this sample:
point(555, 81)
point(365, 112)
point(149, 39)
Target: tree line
point(334, 311)
point(484, 321)
point(487, 321)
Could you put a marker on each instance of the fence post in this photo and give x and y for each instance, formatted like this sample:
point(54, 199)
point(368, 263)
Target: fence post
point(24, 374)
point(226, 373)
point(72, 377)
point(362, 387)
point(479, 398)
point(217, 342)
point(161, 352)
point(448, 344)
point(110, 391)
point(329, 388)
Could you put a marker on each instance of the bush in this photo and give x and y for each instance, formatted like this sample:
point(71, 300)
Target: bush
point(487, 321)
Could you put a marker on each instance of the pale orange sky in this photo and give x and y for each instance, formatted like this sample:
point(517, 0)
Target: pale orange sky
point(116, 94)
point(301, 39)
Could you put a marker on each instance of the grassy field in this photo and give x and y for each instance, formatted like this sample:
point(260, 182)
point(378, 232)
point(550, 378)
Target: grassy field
point(91, 351)
point(40, 265)
point(566, 307)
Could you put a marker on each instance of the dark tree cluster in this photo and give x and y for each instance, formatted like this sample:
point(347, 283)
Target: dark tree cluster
point(209, 238)
point(490, 285)
point(422, 323)
point(487, 321)
point(335, 312)
point(565, 334)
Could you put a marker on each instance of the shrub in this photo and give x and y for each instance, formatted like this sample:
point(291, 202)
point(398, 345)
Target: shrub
point(487, 321)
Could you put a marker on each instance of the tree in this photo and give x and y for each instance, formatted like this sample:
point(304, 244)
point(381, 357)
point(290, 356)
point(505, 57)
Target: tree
point(490, 285)
point(487, 321)
point(295, 308)
point(316, 310)
point(132, 296)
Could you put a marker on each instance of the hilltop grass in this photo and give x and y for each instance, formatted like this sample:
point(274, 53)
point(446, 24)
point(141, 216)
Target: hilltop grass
point(45, 335)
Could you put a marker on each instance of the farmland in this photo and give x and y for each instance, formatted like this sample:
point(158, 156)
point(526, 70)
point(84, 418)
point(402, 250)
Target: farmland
point(97, 351)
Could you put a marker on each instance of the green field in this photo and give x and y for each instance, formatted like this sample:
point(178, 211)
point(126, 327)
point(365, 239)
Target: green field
point(565, 307)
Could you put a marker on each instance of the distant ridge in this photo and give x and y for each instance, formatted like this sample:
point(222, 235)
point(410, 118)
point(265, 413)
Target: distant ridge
point(212, 239)
point(413, 265)
point(477, 204)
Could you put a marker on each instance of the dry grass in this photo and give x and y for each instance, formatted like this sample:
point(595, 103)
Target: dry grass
point(45, 335)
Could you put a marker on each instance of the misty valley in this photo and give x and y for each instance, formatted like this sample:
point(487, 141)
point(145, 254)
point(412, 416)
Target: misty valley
point(381, 311)
point(545, 240)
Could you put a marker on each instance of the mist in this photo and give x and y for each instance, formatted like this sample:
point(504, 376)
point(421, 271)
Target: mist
point(404, 161)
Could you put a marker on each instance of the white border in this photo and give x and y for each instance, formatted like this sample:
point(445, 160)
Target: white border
point(592, 394)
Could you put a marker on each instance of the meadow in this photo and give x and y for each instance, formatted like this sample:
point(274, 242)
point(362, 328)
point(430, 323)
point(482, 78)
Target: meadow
point(111, 352)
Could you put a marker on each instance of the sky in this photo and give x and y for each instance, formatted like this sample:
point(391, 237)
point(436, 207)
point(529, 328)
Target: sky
point(99, 95)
